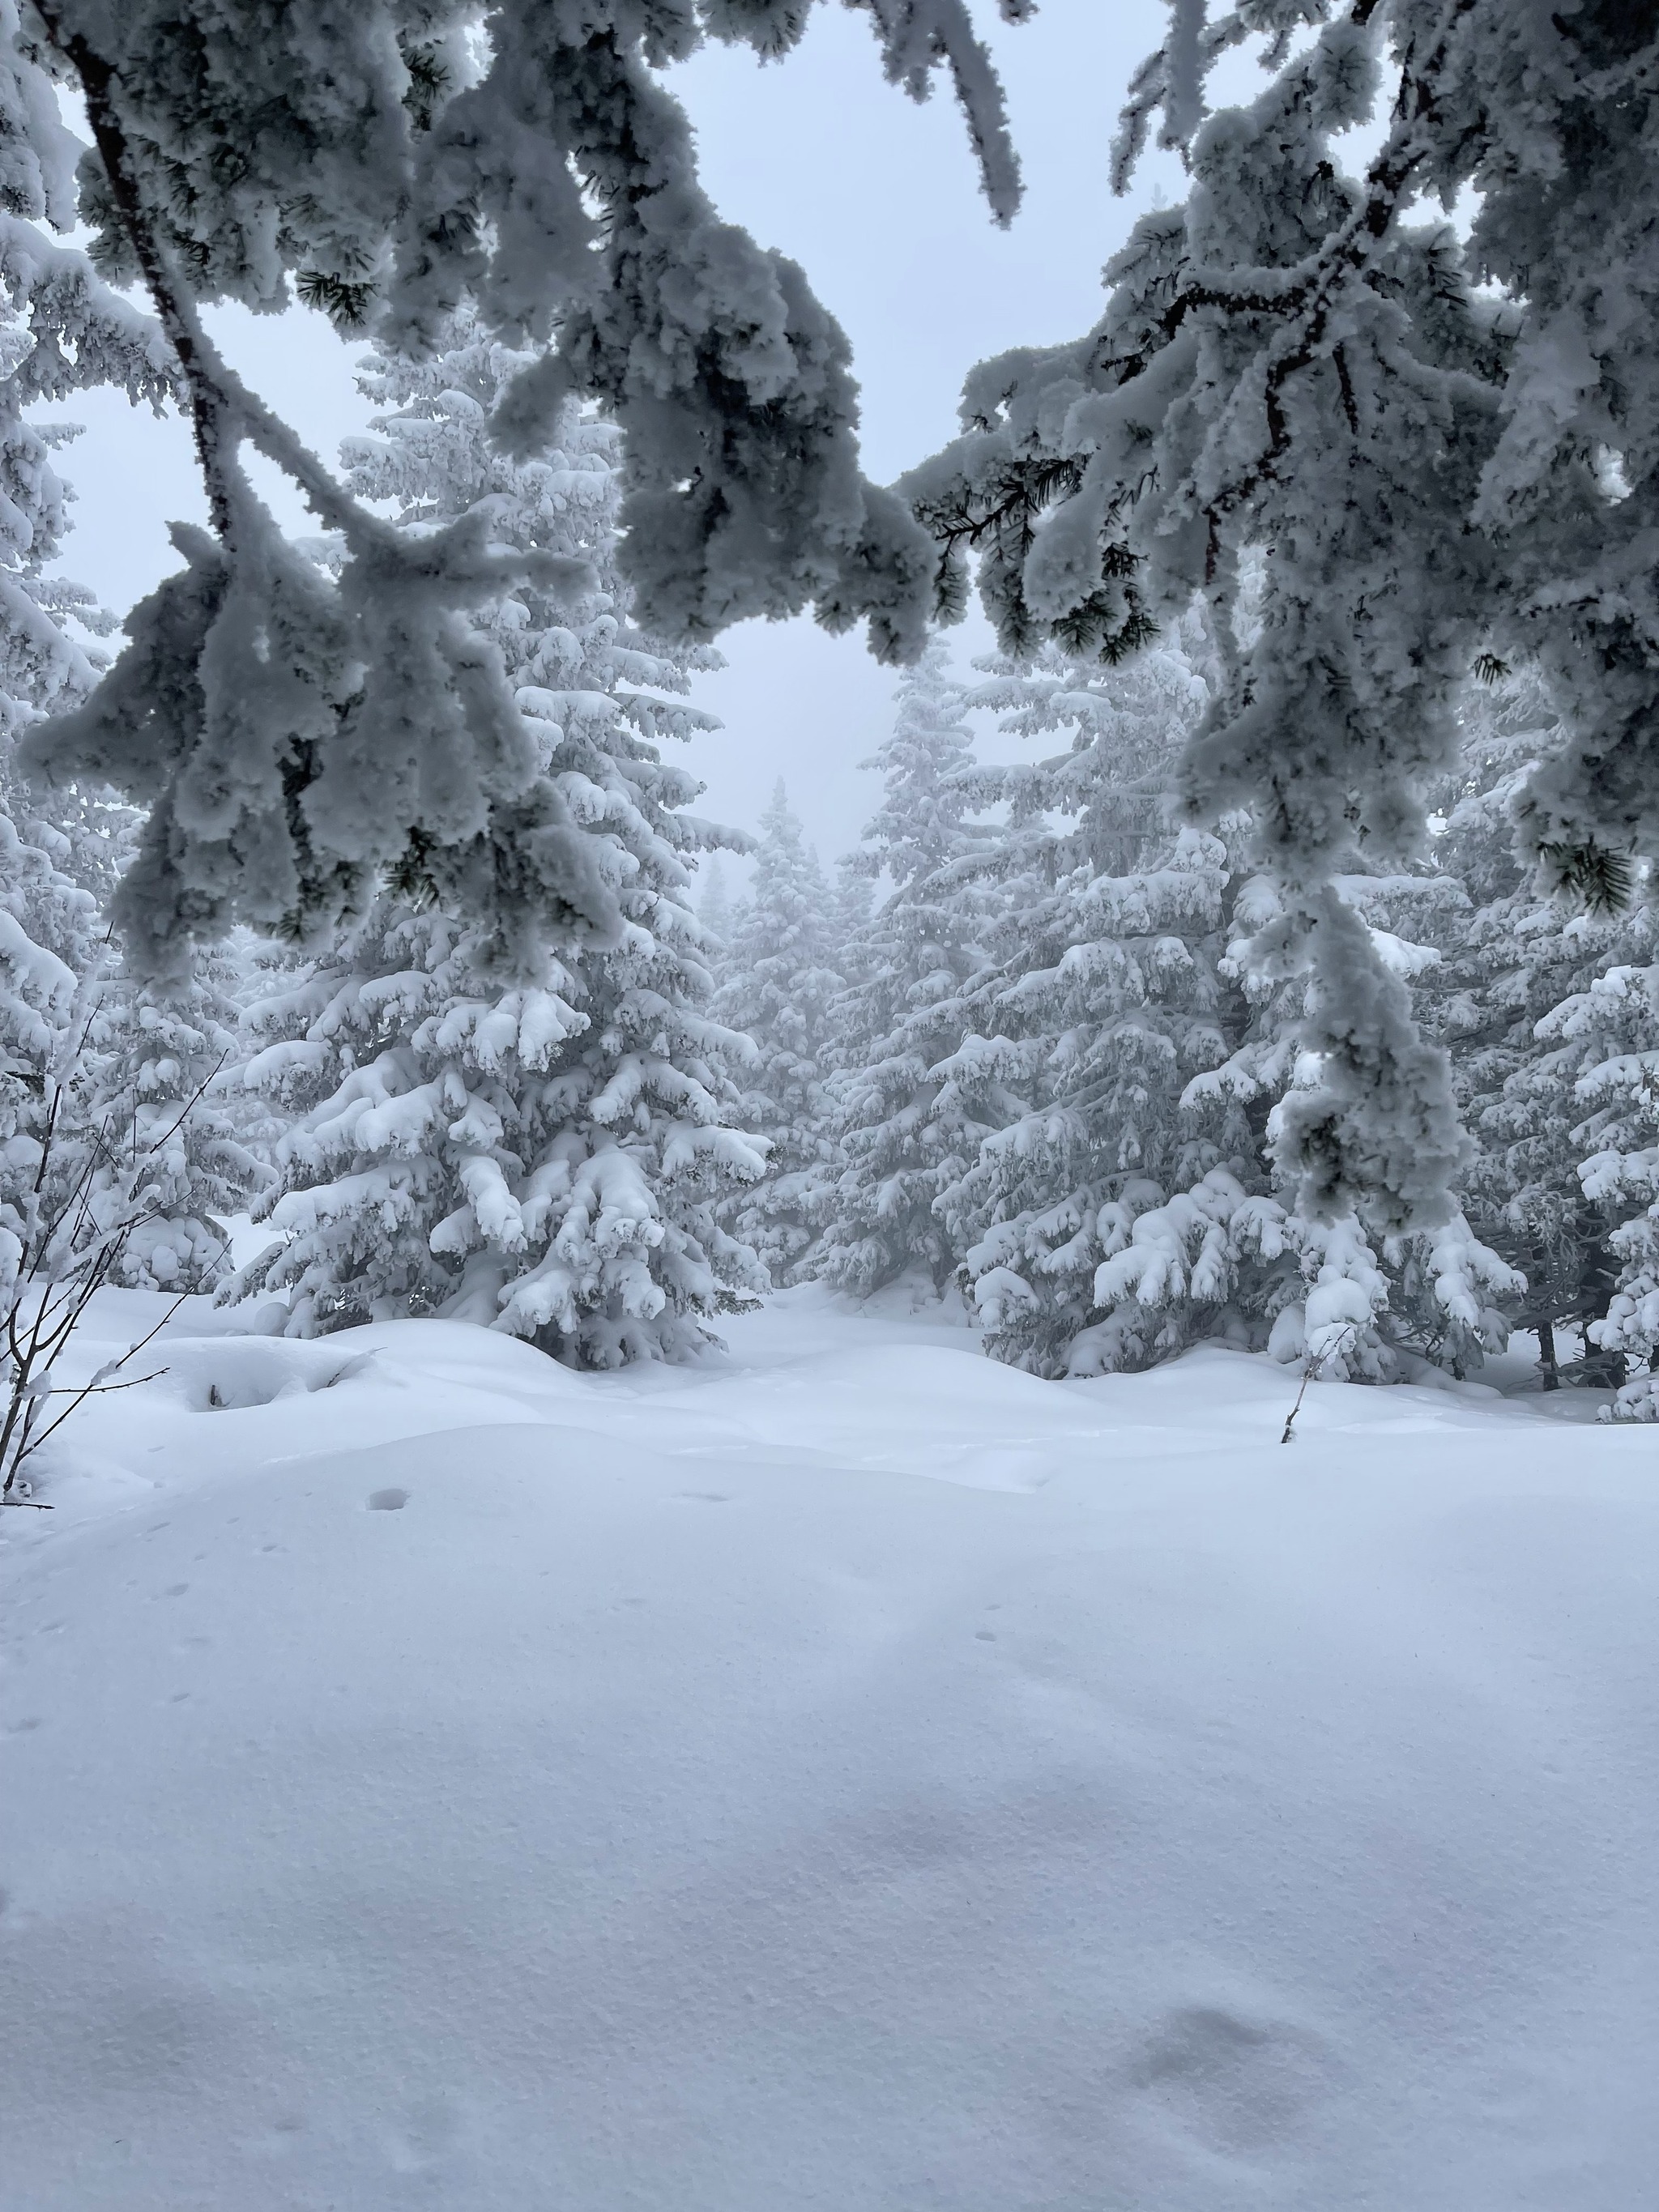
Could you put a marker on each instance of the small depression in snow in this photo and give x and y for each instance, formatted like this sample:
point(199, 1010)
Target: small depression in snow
point(221, 1374)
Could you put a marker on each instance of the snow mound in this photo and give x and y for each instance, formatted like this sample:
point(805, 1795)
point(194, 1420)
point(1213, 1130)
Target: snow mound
point(285, 1397)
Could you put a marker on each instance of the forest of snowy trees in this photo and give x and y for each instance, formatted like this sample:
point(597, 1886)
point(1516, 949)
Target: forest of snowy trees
point(1296, 983)
point(1048, 1069)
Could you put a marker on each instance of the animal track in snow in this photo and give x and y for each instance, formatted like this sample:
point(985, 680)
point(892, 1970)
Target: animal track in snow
point(1236, 2086)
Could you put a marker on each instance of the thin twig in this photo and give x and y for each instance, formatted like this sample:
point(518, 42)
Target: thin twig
point(1310, 1370)
point(34, 1339)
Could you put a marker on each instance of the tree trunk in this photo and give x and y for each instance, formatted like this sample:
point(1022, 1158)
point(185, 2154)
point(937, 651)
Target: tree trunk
point(1546, 1358)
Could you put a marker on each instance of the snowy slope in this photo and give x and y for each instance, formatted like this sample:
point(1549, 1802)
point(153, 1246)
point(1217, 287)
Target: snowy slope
point(853, 1775)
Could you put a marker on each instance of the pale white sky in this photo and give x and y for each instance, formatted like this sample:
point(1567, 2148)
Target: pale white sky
point(877, 199)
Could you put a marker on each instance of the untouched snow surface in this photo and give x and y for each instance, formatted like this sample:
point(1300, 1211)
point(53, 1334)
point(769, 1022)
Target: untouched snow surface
point(850, 1776)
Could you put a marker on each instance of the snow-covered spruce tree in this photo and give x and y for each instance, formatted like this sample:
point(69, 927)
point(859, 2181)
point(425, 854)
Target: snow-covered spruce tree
point(162, 1065)
point(715, 907)
point(1606, 1037)
point(548, 1157)
point(1142, 1056)
point(781, 979)
point(1507, 960)
point(257, 968)
point(851, 903)
point(901, 1127)
point(1098, 1004)
point(1229, 1257)
point(47, 935)
point(1625, 1124)
point(295, 735)
point(1433, 442)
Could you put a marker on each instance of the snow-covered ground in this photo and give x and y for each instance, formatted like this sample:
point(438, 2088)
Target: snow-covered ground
point(850, 1776)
